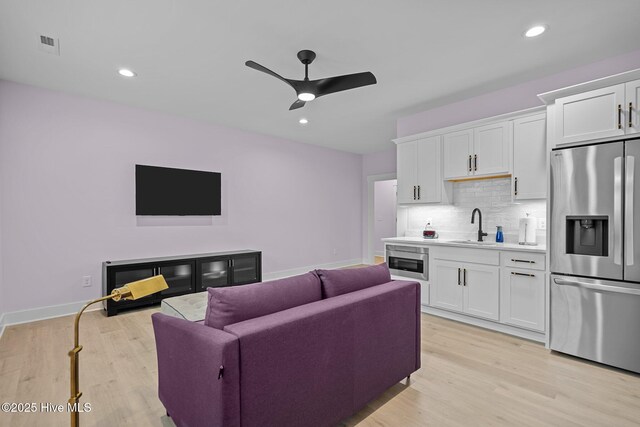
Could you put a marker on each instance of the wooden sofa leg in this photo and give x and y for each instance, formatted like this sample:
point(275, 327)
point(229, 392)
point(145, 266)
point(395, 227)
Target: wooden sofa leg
point(408, 379)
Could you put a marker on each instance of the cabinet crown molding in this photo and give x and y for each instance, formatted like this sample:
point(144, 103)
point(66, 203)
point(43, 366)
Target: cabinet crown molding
point(468, 125)
point(551, 96)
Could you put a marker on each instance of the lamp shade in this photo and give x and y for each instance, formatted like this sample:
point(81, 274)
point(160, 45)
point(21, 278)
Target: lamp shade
point(140, 288)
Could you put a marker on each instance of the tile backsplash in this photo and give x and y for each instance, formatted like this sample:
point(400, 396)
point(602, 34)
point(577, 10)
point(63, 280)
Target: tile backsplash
point(492, 196)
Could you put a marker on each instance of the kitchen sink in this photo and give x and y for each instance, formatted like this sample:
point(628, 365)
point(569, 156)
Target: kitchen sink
point(473, 242)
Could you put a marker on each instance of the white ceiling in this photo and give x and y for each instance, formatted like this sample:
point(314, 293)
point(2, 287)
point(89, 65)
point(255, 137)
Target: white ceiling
point(190, 55)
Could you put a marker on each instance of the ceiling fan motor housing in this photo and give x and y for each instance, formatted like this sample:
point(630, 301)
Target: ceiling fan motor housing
point(306, 56)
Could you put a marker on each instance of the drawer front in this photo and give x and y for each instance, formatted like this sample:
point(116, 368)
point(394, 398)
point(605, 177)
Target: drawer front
point(477, 256)
point(524, 260)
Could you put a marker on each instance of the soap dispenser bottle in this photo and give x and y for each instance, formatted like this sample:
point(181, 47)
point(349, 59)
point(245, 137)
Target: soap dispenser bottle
point(499, 235)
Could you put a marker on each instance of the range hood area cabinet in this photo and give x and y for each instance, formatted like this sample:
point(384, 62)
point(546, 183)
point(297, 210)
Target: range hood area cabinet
point(476, 152)
point(606, 112)
point(420, 171)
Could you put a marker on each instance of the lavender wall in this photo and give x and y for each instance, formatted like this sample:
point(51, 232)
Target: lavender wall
point(68, 202)
point(2, 301)
point(513, 98)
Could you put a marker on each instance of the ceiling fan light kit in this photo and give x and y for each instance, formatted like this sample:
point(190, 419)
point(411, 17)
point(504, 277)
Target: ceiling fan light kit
point(308, 90)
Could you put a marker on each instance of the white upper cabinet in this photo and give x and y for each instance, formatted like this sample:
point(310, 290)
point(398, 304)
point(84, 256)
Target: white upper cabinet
point(407, 172)
point(632, 105)
point(605, 109)
point(491, 154)
point(457, 148)
point(419, 171)
point(480, 151)
point(429, 170)
point(590, 115)
point(530, 157)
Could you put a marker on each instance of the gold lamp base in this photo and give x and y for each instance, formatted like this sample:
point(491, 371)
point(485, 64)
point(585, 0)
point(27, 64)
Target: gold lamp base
point(130, 291)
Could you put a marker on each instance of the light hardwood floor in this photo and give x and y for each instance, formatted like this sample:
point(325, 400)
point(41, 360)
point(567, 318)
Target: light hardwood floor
point(469, 376)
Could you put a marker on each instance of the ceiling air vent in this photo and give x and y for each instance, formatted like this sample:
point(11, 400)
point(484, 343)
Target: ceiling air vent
point(49, 44)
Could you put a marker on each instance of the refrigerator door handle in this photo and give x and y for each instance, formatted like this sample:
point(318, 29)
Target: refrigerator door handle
point(597, 287)
point(628, 208)
point(617, 211)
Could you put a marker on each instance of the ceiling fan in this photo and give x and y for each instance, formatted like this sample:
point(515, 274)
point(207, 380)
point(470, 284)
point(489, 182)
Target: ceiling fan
point(308, 90)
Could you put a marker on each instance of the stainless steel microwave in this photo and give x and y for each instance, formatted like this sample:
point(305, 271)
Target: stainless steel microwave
point(408, 261)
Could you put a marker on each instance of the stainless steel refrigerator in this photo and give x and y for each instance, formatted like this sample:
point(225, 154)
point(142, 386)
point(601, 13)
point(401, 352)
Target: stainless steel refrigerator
point(595, 252)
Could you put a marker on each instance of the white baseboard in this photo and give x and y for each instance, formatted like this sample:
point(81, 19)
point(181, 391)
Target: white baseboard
point(295, 271)
point(487, 324)
point(41, 313)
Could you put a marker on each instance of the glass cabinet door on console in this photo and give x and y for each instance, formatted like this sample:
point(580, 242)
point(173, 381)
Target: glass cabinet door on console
point(121, 277)
point(179, 277)
point(246, 269)
point(213, 273)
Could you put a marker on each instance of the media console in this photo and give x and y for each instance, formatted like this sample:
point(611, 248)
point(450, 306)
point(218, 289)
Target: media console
point(184, 274)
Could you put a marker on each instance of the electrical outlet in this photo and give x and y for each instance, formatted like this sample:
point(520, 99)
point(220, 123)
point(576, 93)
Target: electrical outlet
point(542, 223)
point(86, 281)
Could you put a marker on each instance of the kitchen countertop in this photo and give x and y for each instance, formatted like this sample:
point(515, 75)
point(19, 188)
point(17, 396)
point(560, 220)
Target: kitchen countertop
point(451, 242)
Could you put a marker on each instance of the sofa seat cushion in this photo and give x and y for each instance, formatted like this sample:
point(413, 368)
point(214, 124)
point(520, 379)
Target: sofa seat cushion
point(237, 303)
point(338, 282)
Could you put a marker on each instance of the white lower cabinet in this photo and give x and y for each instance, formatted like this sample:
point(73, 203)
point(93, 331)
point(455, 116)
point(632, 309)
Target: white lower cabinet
point(482, 291)
point(522, 295)
point(468, 288)
point(446, 291)
point(505, 287)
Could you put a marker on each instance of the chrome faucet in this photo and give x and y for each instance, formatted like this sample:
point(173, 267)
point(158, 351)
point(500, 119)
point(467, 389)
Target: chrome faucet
point(473, 216)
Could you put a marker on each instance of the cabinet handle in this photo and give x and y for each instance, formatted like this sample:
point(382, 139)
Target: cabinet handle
point(516, 186)
point(414, 192)
point(523, 260)
point(418, 192)
point(619, 116)
point(513, 273)
point(464, 276)
point(631, 114)
point(470, 163)
point(458, 277)
point(475, 162)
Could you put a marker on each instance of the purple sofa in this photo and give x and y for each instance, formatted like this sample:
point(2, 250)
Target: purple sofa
point(309, 350)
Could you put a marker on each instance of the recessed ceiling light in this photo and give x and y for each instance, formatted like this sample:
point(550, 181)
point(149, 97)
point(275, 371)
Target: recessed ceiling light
point(303, 121)
point(535, 31)
point(126, 73)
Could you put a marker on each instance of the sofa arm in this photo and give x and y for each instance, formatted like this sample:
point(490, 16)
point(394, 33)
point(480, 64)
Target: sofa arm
point(190, 383)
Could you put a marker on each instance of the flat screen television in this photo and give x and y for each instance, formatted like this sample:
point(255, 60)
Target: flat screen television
point(169, 191)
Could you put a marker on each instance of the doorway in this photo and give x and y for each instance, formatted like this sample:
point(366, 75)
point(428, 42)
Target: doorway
point(382, 214)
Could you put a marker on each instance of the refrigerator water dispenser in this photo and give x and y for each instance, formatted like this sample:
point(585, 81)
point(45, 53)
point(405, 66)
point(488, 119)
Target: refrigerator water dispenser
point(587, 235)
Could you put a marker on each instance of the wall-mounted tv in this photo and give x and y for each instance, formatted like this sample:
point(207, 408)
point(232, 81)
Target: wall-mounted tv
point(169, 191)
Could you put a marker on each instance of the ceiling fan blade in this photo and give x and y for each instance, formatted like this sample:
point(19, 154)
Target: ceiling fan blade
point(346, 82)
point(256, 66)
point(297, 104)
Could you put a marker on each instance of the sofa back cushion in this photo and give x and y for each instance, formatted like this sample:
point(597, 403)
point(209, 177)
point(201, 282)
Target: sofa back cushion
point(237, 303)
point(338, 282)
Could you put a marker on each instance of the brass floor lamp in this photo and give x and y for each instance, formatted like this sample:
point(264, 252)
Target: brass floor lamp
point(130, 291)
